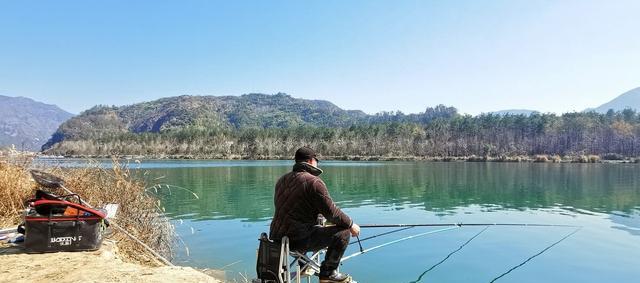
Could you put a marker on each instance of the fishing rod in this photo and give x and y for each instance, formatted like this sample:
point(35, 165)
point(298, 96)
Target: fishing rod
point(381, 234)
point(465, 224)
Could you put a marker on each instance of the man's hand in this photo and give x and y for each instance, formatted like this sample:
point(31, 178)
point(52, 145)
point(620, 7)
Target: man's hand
point(355, 230)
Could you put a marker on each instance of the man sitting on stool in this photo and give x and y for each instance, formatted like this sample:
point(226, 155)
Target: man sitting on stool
point(300, 196)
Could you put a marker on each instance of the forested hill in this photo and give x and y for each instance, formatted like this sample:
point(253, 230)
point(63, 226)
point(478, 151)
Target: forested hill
point(205, 113)
point(273, 126)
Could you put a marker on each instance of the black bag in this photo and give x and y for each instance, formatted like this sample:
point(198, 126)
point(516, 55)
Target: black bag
point(268, 259)
point(54, 232)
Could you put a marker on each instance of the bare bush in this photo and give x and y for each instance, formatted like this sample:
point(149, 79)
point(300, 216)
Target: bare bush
point(139, 212)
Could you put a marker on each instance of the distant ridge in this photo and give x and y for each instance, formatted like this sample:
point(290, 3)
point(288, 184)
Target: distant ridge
point(629, 99)
point(28, 124)
point(205, 112)
point(515, 112)
point(220, 113)
point(263, 126)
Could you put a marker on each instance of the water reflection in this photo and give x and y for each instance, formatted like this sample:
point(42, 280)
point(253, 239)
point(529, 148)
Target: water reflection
point(246, 191)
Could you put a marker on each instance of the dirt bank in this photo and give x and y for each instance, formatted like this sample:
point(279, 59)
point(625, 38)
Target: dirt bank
point(104, 265)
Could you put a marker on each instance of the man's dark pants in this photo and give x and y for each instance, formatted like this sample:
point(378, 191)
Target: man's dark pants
point(335, 239)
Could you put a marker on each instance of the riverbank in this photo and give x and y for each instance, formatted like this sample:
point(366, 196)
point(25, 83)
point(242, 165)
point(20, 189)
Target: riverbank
point(122, 258)
point(540, 158)
point(104, 265)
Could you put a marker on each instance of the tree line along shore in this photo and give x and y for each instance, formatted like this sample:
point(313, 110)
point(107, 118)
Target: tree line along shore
point(609, 158)
point(439, 133)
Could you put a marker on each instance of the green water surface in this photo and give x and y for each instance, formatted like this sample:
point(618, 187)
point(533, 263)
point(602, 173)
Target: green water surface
point(235, 203)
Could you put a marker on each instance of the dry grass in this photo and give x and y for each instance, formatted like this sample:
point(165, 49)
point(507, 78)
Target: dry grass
point(139, 212)
point(15, 188)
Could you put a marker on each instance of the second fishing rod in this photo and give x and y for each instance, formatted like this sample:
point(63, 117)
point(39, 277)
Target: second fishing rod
point(464, 224)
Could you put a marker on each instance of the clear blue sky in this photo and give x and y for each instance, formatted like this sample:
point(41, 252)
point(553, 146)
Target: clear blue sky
point(478, 56)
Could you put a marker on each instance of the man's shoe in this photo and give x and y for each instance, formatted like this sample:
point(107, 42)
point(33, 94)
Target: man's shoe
point(334, 277)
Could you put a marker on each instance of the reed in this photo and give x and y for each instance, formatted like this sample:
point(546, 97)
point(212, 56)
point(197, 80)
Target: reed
point(140, 212)
point(541, 158)
point(556, 158)
point(15, 188)
point(581, 159)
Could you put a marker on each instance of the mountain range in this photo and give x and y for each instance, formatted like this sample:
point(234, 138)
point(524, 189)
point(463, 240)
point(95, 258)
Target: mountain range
point(26, 123)
point(629, 99)
point(223, 113)
point(202, 112)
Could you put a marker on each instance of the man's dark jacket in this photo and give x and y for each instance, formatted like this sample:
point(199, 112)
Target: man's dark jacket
point(300, 196)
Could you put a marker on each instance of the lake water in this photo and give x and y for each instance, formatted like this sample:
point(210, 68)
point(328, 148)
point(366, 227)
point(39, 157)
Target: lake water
point(235, 204)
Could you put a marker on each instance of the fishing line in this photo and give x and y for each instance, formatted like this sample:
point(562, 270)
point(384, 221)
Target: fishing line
point(450, 225)
point(396, 241)
point(533, 256)
point(449, 255)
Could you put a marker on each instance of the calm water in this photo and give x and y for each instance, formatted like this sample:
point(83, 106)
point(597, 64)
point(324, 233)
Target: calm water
point(221, 227)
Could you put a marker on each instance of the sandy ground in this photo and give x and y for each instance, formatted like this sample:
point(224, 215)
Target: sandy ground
point(103, 265)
